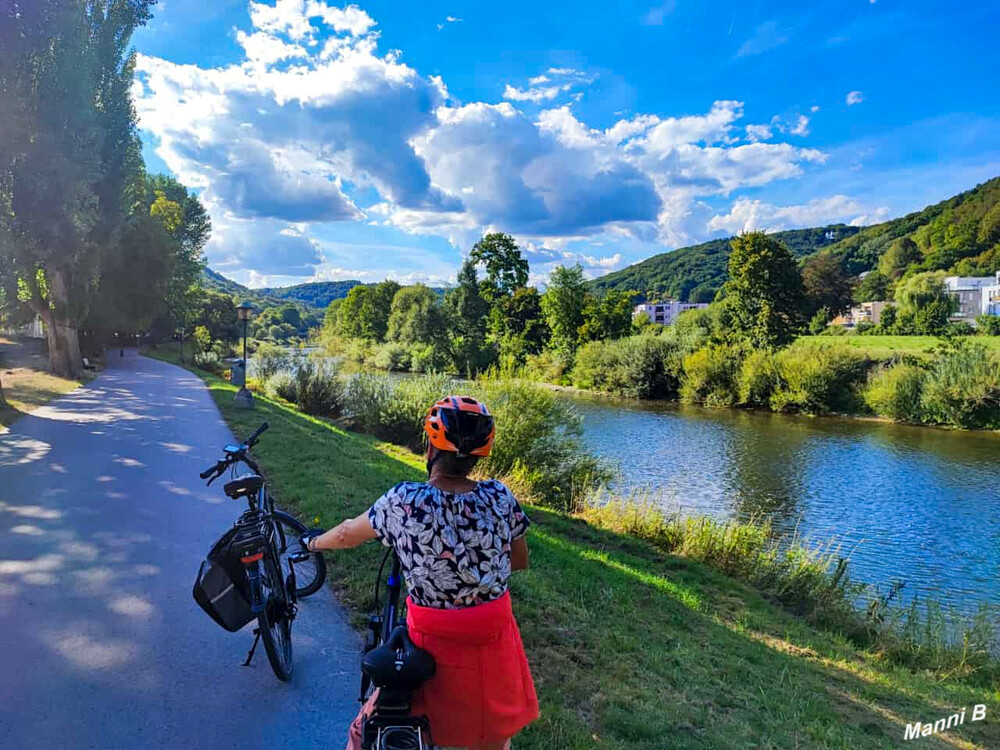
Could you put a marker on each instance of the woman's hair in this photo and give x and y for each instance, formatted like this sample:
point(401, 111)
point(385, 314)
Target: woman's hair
point(450, 464)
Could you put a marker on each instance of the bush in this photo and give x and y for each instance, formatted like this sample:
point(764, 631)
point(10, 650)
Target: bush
point(317, 388)
point(270, 360)
point(962, 388)
point(644, 366)
point(393, 410)
point(428, 358)
point(818, 381)
point(710, 376)
point(391, 356)
point(539, 445)
point(547, 367)
point(210, 362)
point(202, 337)
point(758, 378)
point(895, 392)
point(988, 325)
point(282, 385)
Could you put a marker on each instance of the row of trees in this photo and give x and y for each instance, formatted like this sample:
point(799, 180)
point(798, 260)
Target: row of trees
point(481, 321)
point(88, 241)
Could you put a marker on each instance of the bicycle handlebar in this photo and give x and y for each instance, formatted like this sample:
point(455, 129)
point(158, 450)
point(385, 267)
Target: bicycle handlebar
point(220, 466)
point(257, 433)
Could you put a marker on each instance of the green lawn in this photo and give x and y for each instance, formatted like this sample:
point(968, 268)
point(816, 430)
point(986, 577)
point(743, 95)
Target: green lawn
point(883, 347)
point(25, 385)
point(630, 648)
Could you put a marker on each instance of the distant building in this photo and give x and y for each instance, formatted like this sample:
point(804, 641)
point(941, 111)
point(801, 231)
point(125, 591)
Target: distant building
point(866, 312)
point(665, 313)
point(968, 292)
point(990, 297)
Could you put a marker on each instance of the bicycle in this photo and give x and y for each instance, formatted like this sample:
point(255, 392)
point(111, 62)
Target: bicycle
point(396, 667)
point(260, 539)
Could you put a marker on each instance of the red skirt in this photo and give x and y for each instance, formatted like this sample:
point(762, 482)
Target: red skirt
point(482, 690)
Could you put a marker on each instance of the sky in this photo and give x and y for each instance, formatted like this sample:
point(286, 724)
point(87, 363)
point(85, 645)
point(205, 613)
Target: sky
point(382, 139)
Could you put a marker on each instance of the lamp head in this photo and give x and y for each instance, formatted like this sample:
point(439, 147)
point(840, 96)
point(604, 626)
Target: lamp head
point(245, 310)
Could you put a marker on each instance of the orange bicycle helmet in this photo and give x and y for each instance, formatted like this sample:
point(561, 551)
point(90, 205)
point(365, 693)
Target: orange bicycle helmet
point(460, 425)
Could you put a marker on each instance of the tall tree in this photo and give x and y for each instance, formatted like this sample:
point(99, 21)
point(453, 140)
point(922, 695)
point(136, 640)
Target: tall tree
point(417, 317)
point(608, 316)
point(874, 287)
point(68, 152)
point(900, 255)
point(563, 304)
point(506, 268)
point(826, 285)
point(764, 293)
point(468, 311)
point(524, 329)
point(925, 305)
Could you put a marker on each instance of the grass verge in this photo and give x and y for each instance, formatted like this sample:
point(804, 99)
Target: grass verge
point(25, 388)
point(887, 347)
point(631, 647)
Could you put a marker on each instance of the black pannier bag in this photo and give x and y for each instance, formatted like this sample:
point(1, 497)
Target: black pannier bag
point(221, 586)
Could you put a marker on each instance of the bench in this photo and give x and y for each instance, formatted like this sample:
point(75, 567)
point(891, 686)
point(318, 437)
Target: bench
point(88, 366)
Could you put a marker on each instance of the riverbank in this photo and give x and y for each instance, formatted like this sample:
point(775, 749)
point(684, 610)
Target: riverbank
point(27, 383)
point(630, 645)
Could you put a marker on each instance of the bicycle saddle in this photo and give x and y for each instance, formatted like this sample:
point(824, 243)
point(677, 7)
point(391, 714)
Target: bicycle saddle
point(248, 484)
point(398, 663)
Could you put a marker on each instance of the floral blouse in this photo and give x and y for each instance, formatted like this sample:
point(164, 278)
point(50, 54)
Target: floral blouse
point(454, 549)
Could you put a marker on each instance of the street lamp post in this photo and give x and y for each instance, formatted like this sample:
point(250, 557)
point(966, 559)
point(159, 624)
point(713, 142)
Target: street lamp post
point(245, 311)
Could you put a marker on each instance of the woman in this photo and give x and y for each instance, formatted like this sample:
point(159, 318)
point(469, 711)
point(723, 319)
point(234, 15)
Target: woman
point(458, 541)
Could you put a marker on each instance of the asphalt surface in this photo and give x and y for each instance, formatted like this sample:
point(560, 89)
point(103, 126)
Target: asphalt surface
point(103, 524)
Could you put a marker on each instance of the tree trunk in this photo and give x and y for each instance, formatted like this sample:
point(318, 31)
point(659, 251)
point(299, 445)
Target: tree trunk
point(65, 358)
point(3, 398)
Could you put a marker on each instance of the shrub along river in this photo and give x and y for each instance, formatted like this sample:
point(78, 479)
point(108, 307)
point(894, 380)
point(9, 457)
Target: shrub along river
point(911, 503)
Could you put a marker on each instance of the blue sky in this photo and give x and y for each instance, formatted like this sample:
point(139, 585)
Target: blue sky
point(380, 139)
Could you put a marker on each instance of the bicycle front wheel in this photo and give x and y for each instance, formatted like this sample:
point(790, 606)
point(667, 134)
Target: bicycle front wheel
point(309, 573)
point(275, 622)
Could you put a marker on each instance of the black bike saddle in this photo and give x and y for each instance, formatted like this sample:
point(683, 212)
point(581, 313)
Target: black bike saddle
point(248, 484)
point(398, 663)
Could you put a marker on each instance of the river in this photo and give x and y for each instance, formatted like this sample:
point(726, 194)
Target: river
point(910, 503)
point(916, 504)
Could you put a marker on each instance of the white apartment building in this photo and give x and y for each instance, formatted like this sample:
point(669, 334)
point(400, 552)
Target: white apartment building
point(990, 302)
point(969, 292)
point(665, 313)
point(866, 312)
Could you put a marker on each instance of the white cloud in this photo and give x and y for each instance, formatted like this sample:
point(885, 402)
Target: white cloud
point(759, 132)
point(658, 13)
point(536, 95)
point(801, 126)
point(453, 19)
point(285, 140)
point(747, 215)
point(854, 97)
point(767, 36)
point(814, 108)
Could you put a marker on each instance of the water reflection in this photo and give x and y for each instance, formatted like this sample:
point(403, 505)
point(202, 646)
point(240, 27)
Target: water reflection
point(908, 502)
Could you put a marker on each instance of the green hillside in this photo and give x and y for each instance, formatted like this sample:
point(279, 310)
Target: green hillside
point(960, 234)
point(316, 294)
point(695, 273)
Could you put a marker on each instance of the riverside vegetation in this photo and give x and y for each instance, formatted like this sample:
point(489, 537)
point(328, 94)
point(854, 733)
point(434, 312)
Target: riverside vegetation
point(640, 626)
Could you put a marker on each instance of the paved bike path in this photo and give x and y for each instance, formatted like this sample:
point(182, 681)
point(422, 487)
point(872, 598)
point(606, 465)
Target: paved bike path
point(103, 523)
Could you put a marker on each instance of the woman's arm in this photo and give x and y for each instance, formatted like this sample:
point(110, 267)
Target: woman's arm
point(346, 535)
point(519, 554)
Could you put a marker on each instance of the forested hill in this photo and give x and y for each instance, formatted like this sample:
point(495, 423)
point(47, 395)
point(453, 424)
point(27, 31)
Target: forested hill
point(317, 294)
point(696, 273)
point(960, 234)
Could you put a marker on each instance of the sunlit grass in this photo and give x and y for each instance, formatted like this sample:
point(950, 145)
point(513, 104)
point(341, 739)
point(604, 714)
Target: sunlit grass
point(25, 389)
point(630, 647)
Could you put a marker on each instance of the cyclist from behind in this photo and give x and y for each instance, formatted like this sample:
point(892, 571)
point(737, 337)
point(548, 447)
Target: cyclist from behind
point(458, 541)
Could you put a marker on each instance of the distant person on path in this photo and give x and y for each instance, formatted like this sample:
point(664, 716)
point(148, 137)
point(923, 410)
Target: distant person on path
point(458, 541)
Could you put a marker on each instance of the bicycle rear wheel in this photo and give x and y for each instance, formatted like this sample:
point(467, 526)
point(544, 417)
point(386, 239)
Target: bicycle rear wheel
point(309, 573)
point(275, 622)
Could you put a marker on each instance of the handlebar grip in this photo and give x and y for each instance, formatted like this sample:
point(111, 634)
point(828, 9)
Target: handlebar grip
point(208, 472)
point(253, 438)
